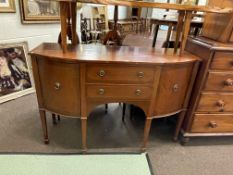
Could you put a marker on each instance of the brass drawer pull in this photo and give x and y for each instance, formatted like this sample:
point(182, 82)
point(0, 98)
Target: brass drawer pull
point(228, 82)
point(221, 104)
point(140, 74)
point(175, 87)
point(102, 73)
point(138, 92)
point(57, 86)
point(213, 124)
point(101, 91)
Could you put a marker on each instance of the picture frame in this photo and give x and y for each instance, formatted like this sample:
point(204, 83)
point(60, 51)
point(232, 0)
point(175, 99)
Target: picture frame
point(15, 71)
point(39, 11)
point(7, 6)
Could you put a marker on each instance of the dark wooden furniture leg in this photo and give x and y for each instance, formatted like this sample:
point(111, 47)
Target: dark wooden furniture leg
point(54, 118)
point(123, 112)
point(155, 35)
point(58, 117)
point(44, 126)
point(106, 108)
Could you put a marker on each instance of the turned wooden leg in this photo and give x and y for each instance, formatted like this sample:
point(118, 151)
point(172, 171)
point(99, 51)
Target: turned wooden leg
point(178, 125)
point(146, 133)
point(106, 108)
point(123, 112)
point(54, 118)
point(84, 134)
point(44, 126)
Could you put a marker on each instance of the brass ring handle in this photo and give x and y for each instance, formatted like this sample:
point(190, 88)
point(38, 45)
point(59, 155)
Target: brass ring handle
point(140, 74)
point(175, 87)
point(138, 92)
point(213, 124)
point(221, 104)
point(101, 91)
point(102, 73)
point(57, 86)
point(228, 82)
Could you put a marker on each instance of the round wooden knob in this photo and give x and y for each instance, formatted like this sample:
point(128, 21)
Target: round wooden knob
point(221, 104)
point(101, 91)
point(138, 92)
point(228, 82)
point(213, 124)
point(140, 74)
point(57, 86)
point(102, 73)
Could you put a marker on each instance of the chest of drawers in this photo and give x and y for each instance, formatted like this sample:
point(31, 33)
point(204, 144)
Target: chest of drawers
point(72, 84)
point(211, 105)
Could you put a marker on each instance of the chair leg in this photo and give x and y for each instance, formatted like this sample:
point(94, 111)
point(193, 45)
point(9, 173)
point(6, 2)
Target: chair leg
point(106, 108)
point(54, 118)
point(58, 118)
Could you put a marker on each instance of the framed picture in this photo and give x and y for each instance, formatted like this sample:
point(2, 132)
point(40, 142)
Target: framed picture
point(39, 11)
point(15, 72)
point(7, 6)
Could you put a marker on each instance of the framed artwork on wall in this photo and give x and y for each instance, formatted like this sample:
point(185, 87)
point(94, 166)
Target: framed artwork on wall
point(39, 11)
point(15, 71)
point(7, 6)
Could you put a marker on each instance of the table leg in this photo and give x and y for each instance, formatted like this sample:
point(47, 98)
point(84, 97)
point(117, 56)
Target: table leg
point(146, 133)
point(84, 134)
point(156, 34)
point(168, 35)
point(187, 24)
point(64, 9)
point(44, 126)
point(75, 39)
point(179, 29)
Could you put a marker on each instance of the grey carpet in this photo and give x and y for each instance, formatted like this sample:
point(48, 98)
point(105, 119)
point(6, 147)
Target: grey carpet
point(20, 131)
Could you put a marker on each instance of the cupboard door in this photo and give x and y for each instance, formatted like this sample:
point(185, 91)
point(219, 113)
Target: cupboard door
point(60, 86)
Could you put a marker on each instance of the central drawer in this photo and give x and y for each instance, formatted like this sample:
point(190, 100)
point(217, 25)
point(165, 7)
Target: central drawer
point(216, 102)
point(119, 92)
point(106, 73)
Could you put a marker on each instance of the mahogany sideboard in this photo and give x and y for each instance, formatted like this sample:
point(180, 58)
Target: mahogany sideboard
point(211, 106)
point(73, 83)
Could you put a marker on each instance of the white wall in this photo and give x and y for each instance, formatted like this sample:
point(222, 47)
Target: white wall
point(12, 30)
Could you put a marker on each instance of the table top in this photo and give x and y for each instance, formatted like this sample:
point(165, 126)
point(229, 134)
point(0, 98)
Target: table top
point(112, 54)
point(174, 19)
point(148, 4)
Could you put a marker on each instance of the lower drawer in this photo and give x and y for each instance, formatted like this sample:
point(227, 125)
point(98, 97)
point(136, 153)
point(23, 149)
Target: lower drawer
point(119, 91)
point(212, 123)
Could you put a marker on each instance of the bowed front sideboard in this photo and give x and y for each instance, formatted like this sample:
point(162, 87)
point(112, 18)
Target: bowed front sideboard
point(72, 83)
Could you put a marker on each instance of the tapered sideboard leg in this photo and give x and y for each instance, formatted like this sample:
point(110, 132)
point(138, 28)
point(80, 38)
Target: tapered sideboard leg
point(146, 133)
point(44, 126)
point(84, 134)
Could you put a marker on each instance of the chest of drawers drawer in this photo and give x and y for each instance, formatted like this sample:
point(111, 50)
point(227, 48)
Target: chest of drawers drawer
point(119, 74)
point(119, 92)
point(222, 61)
point(219, 81)
point(212, 123)
point(219, 102)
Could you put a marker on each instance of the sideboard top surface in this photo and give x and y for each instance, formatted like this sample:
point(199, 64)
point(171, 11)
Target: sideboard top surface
point(111, 54)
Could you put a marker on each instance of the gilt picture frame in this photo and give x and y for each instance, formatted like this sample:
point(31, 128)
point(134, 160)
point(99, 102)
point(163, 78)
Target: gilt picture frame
point(7, 6)
point(39, 11)
point(15, 71)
